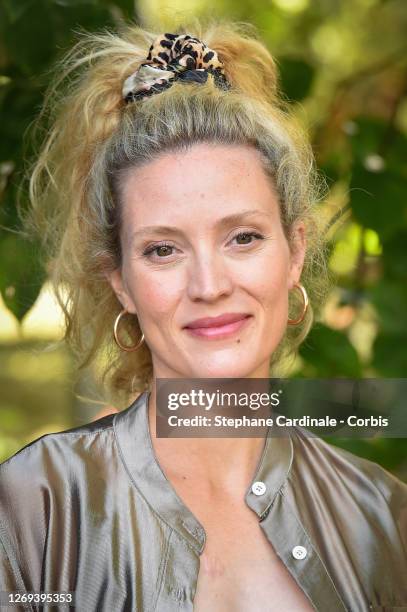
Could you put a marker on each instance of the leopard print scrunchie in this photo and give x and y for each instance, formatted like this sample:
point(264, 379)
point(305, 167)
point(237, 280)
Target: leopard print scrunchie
point(174, 57)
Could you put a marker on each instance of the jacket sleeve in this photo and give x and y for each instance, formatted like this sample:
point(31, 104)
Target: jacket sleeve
point(10, 575)
point(22, 520)
point(11, 578)
point(395, 492)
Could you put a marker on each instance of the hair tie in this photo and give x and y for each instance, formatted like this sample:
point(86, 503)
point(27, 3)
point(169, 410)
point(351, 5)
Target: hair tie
point(174, 57)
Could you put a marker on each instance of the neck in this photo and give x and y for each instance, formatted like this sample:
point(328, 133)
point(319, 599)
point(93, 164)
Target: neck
point(226, 464)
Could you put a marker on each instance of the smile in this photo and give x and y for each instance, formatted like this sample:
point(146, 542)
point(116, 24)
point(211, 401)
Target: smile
point(219, 332)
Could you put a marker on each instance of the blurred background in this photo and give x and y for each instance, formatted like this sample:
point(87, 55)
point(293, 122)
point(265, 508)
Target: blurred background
point(343, 69)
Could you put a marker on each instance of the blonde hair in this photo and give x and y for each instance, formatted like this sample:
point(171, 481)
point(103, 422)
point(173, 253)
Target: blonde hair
point(93, 136)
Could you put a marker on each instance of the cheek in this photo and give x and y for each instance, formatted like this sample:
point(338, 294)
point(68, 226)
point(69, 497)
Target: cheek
point(153, 294)
point(266, 276)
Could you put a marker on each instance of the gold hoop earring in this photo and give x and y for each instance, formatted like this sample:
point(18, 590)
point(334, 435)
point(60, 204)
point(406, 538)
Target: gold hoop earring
point(305, 306)
point(128, 349)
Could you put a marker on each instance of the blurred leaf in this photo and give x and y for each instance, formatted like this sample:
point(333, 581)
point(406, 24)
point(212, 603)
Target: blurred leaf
point(395, 256)
point(373, 136)
point(73, 3)
point(9, 217)
point(390, 354)
point(330, 172)
point(368, 134)
point(15, 9)
point(378, 199)
point(67, 20)
point(21, 275)
point(344, 254)
point(330, 353)
point(296, 77)
point(128, 7)
point(372, 242)
point(18, 108)
point(390, 301)
point(46, 29)
point(31, 39)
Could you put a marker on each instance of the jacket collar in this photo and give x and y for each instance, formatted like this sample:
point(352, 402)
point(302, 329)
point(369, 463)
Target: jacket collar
point(132, 432)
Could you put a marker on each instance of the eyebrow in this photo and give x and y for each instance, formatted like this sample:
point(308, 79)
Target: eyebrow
point(228, 220)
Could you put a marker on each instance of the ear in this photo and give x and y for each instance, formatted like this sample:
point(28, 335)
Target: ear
point(115, 279)
point(297, 253)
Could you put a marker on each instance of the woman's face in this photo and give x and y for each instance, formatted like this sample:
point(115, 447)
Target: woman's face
point(201, 237)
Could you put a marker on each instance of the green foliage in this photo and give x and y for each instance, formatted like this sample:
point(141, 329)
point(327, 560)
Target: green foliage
point(378, 199)
point(328, 353)
point(33, 36)
point(296, 78)
point(21, 274)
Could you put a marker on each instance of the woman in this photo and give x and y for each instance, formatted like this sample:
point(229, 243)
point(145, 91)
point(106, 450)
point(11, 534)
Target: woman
point(177, 200)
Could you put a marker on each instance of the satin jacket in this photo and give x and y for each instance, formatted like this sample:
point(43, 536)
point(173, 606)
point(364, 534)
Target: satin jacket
point(89, 510)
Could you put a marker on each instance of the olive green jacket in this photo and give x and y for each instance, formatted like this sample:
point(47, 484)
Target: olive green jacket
point(89, 510)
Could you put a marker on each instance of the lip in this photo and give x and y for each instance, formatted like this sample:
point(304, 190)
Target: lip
point(218, 327)
point(224, 319)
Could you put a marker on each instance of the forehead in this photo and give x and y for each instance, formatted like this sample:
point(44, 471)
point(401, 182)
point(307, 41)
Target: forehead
point(204, 181)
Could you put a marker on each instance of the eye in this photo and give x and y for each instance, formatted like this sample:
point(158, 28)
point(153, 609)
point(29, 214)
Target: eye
point(247, 237)
point(164, 250)
point(161, 250)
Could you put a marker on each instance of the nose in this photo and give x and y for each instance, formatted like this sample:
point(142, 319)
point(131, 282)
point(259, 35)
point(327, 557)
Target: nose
point(209, 278)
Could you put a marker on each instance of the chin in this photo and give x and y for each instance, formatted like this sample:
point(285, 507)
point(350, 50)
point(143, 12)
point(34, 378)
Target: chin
point(229, 370)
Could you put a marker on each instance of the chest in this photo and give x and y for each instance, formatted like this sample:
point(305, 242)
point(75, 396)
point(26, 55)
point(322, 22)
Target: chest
point(239, 569)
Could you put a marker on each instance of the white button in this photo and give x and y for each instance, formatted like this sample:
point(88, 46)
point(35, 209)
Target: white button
point(299, 552)
point(259, 488)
